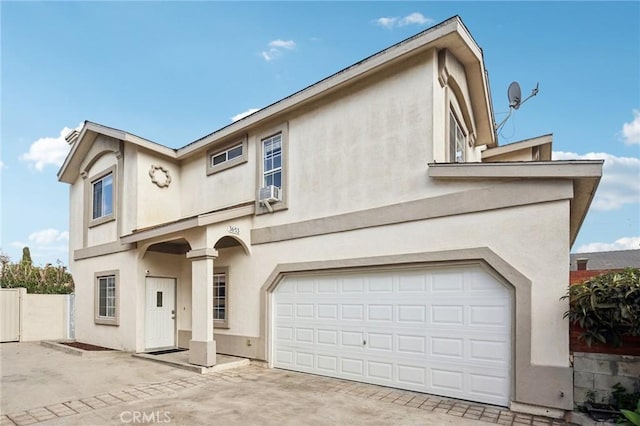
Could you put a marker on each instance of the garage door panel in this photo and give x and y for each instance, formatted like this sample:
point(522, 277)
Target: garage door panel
point(487, 315)
point(382, 283)
point(284, 333)
point(487, 385)
point(327, 363)
point(352, 366)
point(327, 337)
point(380, 341)
point(353, 285)
point(380, 313)
point(412, 374)
point(380, 370)
point(447, 315)
point(411, 344)
point(328, 311)
point(327, 286)
point(447, 380)
point(484, 350)
point(412, 283)
point(415, 314)
point(352, 312)
point(446, 332)
point(449, 347)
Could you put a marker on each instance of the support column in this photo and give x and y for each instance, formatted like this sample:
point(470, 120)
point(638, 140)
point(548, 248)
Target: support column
point(202, 347)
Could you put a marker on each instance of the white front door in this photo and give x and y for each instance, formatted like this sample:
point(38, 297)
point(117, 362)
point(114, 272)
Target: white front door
point(160, 317)
point(445, 331)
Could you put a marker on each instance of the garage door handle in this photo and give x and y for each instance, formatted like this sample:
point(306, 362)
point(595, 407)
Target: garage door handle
point(364, 342)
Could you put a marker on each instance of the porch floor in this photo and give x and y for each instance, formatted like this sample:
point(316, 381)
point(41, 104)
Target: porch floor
point(181, 360)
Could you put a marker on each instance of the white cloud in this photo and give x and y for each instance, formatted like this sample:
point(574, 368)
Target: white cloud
point(48, 151)
point(46, 245)
point(285, 44)
point(414, 18)
point(2, 166)
point(626, 243)
point(620, 183)
point(48, 236)
point(244, 114)
point(631, 130)
point(275, 48)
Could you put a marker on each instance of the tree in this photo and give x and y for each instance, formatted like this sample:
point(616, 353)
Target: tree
point(26, 257)
point(45, 280)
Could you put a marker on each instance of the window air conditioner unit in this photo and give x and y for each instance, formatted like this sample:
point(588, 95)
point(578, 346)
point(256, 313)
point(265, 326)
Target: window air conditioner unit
point(269, 194)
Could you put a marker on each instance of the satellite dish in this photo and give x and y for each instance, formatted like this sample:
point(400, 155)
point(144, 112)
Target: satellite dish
point(515, 101)
point(515, 95)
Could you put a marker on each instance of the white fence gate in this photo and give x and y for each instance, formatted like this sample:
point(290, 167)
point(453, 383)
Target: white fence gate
point(30, 317)
point(10, 307)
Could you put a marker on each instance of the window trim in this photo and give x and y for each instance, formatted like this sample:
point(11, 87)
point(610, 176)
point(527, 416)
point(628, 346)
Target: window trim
point(223, 323)
point(112, 216)
point(283, 129)
point(226, 147)
point(100, 320)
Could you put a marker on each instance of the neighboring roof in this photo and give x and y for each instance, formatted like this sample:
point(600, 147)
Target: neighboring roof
point(585, 175)
point(451, 34)
point(603, 260)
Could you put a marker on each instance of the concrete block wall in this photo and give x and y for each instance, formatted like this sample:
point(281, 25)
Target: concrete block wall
point(595, 373)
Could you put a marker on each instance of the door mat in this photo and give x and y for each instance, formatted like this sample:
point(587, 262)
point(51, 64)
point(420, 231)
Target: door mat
point(165, 351)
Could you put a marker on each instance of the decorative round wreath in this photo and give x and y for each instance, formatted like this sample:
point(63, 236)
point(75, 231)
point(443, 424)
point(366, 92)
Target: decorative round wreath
point(160, 176)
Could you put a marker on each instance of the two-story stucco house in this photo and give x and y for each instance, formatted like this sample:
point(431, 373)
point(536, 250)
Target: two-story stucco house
point(367, 227)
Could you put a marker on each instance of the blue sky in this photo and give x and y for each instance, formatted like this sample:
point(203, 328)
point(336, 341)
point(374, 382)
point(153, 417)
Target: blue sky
point(173, 72)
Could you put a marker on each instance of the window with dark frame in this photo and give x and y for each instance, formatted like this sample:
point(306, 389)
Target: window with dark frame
point(107, 297)
point(220, 296)
point(103, 196)
point(456, 141)
point(272, 160)
point(227, 155)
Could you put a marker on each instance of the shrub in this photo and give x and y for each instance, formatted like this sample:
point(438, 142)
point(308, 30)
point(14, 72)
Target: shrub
point(607, 307)
point(46, 279)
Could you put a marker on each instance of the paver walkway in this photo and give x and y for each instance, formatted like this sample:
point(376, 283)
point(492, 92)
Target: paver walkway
point(156, 394)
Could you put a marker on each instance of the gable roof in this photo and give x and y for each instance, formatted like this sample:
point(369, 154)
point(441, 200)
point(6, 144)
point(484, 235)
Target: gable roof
point(450, 34)
point(81, 144)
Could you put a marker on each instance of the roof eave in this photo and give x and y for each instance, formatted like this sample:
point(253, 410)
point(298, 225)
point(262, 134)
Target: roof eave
point(585, 175)
point(450, 34)
point(88, 134)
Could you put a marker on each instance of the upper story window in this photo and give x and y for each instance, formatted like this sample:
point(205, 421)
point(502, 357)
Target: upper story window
point(272, 160)
point(272, 154)
point(103, 196)
point(227, 156)
point(457, 143)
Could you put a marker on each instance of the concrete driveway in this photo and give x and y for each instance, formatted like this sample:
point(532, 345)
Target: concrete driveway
point(42, 385)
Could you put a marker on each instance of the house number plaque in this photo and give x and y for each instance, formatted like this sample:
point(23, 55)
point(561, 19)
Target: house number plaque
point(234, 230)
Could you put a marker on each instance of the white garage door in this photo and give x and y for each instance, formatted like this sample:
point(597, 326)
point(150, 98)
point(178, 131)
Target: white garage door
point(440, 331)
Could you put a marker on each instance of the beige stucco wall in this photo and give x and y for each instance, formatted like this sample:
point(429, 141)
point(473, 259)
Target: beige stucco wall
point(204, 193)
point(156, 204)
point(122, 336)
point(106, 232)
point(506, 232)
point(44, 316)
